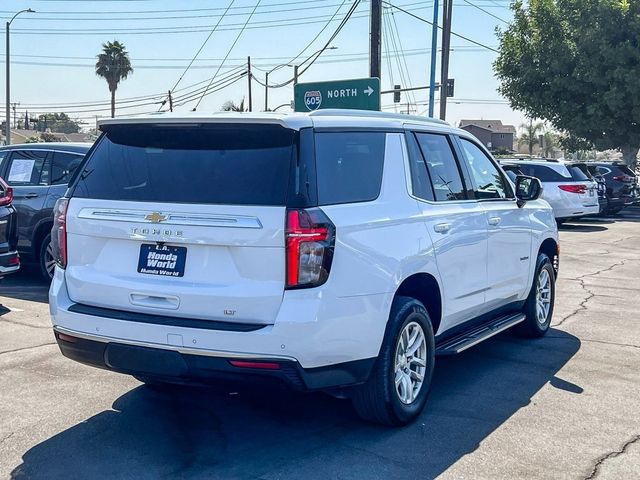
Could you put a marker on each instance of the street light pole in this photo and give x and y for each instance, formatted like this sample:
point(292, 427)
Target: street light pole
point(8, 80)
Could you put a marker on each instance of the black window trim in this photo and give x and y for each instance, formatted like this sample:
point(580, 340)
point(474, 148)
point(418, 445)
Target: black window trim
point(507, 182)
point(412, 134)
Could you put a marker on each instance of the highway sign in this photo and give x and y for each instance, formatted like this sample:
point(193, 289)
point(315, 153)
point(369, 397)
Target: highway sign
point(358, 94)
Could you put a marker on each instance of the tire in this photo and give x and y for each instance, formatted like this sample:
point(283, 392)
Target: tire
point(45, 259)
point(378, 400)
point(614, 211)
point(535, 325)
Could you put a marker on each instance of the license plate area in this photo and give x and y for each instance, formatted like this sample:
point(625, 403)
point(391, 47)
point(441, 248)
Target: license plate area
point(162, 260)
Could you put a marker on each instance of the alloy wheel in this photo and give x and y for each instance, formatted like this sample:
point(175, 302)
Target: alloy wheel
point(411, 362)
point(543, 296)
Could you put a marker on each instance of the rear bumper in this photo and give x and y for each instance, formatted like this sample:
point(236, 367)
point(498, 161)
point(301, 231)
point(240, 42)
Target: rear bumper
point(185, 366)
point(311, 330)
point(9, 263)
point(575, 211)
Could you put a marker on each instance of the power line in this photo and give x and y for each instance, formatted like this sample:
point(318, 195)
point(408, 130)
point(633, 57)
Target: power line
point(431, 23)
point(486, 11)
point(203, 45)
point(229, 52)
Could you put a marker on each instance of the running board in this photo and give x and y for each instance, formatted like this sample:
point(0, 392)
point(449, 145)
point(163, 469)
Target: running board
point(468, 339)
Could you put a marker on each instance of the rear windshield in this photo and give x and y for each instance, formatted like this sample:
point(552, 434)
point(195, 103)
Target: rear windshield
point(624, 170)
point(543, 173)
point(579, 172)
point(217, 164)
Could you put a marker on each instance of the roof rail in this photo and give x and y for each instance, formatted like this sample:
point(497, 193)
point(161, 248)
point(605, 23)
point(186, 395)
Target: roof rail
point(328, 112)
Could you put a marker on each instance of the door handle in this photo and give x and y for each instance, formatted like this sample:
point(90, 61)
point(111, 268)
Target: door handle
point(31, 195)
point(495, 221)
point(442, 227)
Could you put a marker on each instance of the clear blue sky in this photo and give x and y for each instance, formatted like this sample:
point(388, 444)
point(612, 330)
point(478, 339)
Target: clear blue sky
point(53, 50)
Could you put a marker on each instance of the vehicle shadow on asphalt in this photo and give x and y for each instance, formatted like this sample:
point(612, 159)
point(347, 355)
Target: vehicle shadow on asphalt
point(580, 227)
point(26, 284)
point(190, 432)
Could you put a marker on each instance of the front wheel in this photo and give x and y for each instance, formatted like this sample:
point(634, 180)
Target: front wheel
point(539, 305)
point(397, 389)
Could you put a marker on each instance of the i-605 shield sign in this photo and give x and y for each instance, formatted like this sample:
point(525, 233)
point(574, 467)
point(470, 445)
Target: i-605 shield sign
point(312, 99)
point(354, 93)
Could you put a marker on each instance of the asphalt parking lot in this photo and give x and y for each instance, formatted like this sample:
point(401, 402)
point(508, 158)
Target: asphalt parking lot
point(565, 406)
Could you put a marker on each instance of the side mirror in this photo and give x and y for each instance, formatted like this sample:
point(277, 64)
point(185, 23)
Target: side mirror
point(527, 189)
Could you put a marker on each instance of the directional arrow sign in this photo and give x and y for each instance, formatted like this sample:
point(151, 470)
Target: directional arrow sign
point(358, 94)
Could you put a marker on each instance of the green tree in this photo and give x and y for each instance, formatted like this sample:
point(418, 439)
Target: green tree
point(113, 65)
point(549, 142)
point(57, 122)
point(231, 106)
point(576, 64)
point(530, 134)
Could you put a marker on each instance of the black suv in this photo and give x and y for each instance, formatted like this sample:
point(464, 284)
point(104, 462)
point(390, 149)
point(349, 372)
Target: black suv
point(39, 174)
point(9, 259)
point(621, 184)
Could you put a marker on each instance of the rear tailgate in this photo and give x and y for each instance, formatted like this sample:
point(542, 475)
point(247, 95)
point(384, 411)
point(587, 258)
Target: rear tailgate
point(182, 221)
point(220, 262)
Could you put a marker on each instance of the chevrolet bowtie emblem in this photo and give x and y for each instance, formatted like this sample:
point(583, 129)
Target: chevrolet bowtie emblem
point(156, 217)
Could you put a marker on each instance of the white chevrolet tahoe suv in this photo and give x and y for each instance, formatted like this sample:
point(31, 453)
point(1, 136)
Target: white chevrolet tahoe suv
point(336, 250)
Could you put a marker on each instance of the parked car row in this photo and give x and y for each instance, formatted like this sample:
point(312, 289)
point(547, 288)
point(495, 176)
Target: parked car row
point(38, 174)
point(579, 189)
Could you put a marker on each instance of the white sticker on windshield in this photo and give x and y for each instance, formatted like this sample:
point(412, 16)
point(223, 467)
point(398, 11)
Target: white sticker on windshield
point(21, 171)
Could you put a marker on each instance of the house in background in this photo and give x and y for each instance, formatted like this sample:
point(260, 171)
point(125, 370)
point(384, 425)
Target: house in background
point(492, 133)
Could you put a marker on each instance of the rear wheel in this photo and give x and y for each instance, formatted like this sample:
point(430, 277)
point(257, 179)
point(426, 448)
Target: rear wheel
point(46, 259)
point(397, 389)
point(539, 305)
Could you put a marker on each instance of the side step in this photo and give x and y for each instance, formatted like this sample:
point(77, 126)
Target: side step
point(468, 339)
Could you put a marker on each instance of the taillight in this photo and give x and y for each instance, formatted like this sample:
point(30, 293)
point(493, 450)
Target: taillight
point(59, 232)
point(6, 194)
point(574, 188)
point(624, 178)
point(310, 240)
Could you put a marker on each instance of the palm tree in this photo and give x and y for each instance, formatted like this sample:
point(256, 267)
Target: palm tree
point(530, 134)
point(549, 142)
point(113, 65)
point(230, 106)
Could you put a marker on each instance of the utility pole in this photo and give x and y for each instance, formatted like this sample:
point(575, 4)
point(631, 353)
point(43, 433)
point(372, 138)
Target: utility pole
point(7, 59)
point(13, 107)
point(447, 10)
point(170, 101)
point(434, 53)
point(375, 39)
point(249, 78)
point(295, 74)
point(266, 92)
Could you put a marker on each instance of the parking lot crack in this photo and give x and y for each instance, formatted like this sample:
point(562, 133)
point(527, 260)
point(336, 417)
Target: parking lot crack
point(590, 294)
point(27, 348)
point(22, 324)
point(601, 460)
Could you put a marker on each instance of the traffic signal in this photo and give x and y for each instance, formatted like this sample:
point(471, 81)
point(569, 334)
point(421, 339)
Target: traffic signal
point(396, 93)
point(451, 83)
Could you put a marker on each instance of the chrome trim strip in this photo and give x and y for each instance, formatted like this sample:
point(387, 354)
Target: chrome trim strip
point(175, 218)
point(184, 350)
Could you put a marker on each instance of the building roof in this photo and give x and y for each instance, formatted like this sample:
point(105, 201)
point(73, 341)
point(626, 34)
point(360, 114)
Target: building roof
point(495, 126)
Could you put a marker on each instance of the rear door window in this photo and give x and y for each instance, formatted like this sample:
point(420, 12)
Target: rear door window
point(579, 172)
point(230, 164)
point(349, 166)
point(63, 166)
point(442, 166)
point(420, 181)
point(28, 167)
point(543, 173)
